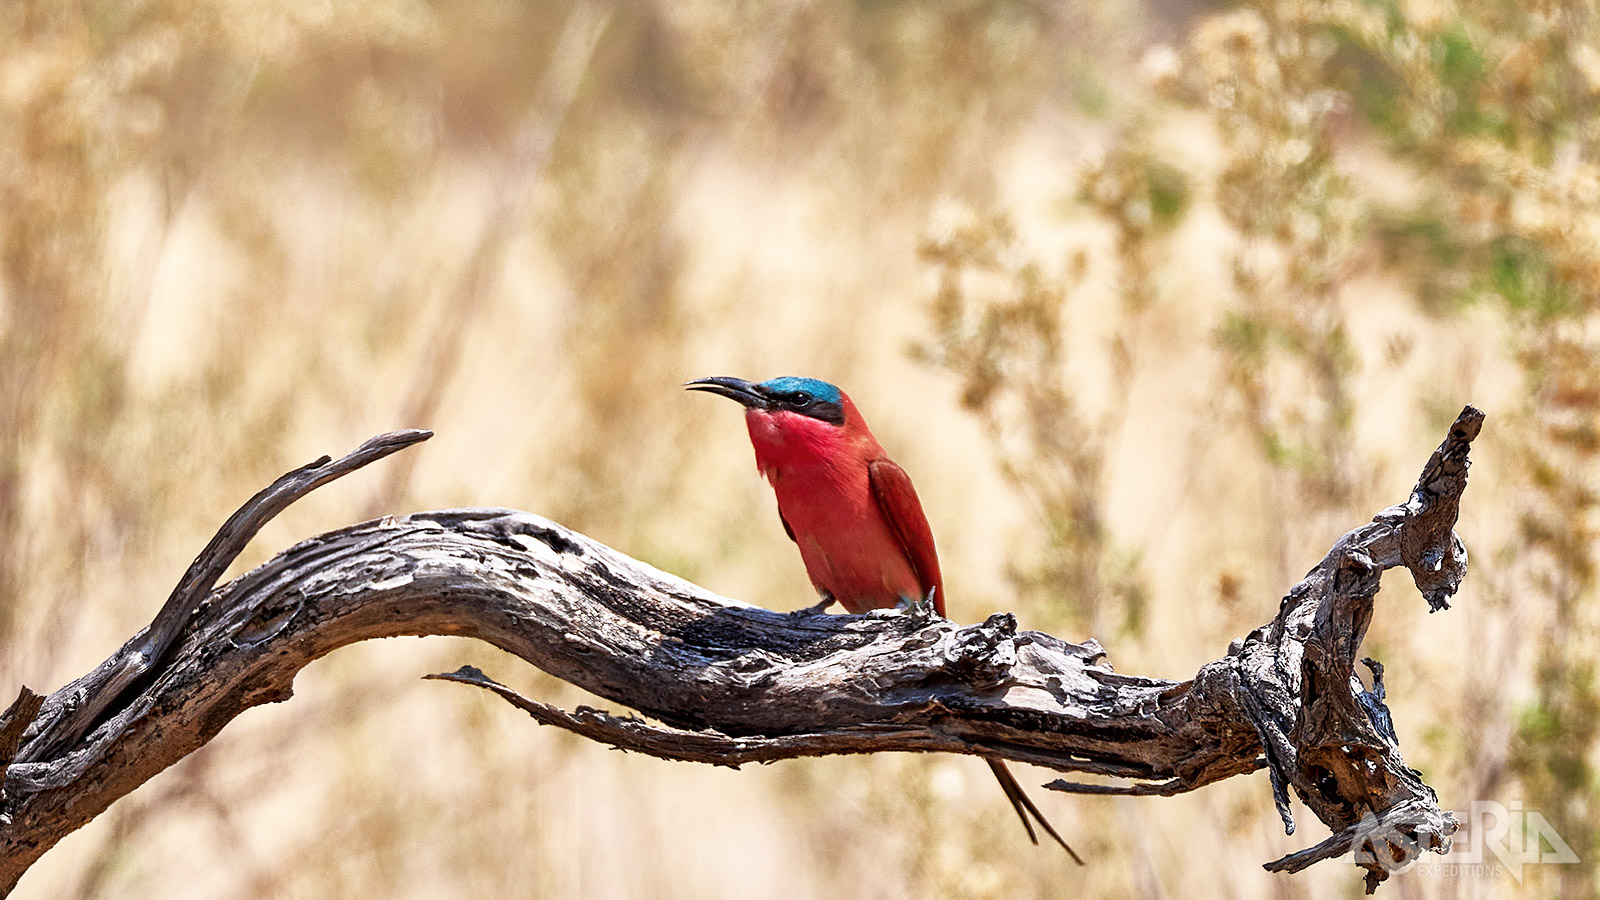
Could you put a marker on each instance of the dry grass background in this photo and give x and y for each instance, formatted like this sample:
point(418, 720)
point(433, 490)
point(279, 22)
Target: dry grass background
point(1152, 301)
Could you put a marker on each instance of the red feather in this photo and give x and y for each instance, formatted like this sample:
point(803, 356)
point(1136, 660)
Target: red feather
point(851, 555)
point(897, 500)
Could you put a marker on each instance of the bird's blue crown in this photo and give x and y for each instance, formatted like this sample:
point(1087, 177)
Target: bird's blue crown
point(788, 384)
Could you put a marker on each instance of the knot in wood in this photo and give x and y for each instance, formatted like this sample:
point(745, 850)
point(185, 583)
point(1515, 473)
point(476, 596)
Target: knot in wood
point(1437, 566)
point(982, 655)
point(269, 620)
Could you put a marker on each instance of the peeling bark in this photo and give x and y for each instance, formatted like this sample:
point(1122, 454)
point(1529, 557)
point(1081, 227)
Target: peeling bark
point(730, 683)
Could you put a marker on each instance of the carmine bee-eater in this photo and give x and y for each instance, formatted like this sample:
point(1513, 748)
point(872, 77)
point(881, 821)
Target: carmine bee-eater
point(852, 512)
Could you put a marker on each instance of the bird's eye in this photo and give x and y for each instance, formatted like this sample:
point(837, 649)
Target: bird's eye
point(799, 398)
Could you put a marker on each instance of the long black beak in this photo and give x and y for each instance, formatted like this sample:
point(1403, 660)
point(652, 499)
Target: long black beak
point(733, 388)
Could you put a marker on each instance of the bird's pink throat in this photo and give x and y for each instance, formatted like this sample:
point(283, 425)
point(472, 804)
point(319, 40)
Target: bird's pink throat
point(783, 439)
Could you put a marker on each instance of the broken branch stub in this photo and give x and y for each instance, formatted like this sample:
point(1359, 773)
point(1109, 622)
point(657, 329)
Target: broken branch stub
point(731, 683)
point(1327, 738)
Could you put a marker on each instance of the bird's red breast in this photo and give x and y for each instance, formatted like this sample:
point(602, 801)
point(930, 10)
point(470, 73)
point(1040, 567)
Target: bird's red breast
point(852, 512)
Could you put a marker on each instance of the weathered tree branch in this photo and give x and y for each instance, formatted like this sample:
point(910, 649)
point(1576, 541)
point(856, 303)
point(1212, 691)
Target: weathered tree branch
point(733, 683)
point(69, 712)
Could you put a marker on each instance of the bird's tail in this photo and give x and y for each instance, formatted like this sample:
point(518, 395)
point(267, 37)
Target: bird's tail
point(1024, 806)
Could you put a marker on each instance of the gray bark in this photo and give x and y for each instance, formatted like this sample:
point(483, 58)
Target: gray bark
point(727, 683)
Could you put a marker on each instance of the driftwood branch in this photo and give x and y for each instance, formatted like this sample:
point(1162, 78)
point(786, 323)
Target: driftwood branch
point(728, 683)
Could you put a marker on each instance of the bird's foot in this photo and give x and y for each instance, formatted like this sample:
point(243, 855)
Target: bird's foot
point(922, 608)
point(815, 609)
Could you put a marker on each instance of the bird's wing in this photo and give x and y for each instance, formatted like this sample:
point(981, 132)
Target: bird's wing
point(786, 529)
point(898, 502)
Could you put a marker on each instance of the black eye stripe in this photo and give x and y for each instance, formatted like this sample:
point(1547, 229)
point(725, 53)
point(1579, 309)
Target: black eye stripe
point(808, 404)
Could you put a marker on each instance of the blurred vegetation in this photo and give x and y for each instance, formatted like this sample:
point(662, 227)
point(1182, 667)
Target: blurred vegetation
point(1189, 291)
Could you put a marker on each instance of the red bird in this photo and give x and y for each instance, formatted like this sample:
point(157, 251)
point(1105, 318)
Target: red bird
point(852, 512)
